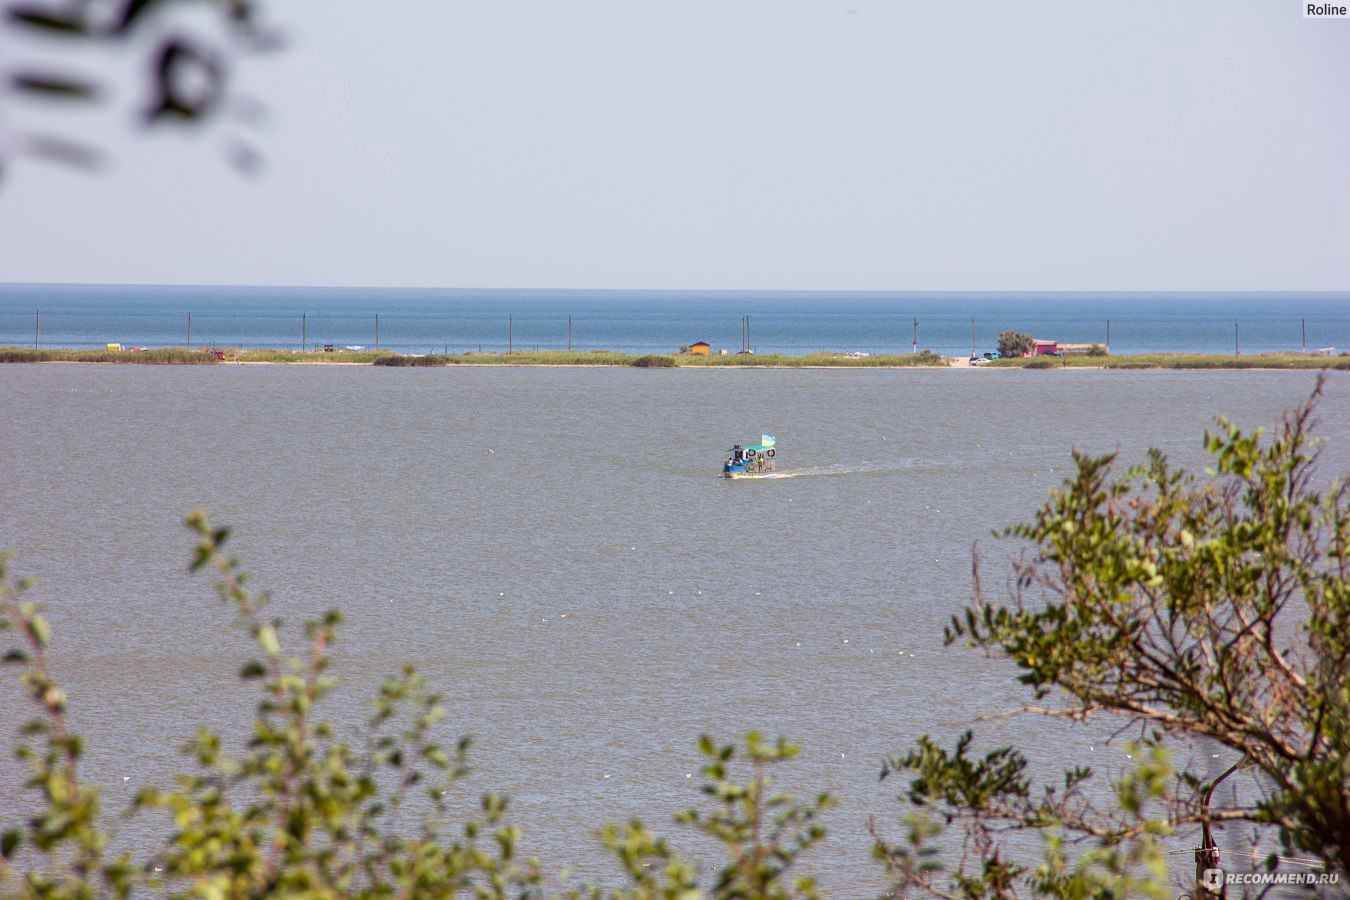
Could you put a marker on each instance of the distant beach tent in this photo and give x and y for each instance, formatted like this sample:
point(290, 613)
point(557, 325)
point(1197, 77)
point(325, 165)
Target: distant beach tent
point(702, 348)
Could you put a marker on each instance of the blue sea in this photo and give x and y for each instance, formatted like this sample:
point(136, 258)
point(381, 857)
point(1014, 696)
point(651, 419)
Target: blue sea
point(468, 320)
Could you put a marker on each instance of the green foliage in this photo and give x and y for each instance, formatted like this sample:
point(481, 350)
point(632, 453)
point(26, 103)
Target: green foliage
point(1014, 344)
point(63, 831)
point(167, 356)
point(396, 360)
point(655, 362)
point(1213, 608)
point(764, 833)
point(1042, 364)
point(302, 812)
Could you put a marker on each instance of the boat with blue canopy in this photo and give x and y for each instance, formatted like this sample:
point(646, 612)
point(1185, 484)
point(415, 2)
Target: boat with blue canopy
point(754, 461)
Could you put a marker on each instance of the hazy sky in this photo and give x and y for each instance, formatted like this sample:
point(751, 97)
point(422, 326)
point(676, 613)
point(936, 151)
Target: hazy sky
point(859, 144)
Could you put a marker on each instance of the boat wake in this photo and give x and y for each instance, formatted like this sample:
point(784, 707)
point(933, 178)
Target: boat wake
point(815, 471)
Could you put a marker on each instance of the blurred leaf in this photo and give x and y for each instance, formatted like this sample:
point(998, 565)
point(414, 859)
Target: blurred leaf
point(64, 22)
point(54, 86)
point(62, 151)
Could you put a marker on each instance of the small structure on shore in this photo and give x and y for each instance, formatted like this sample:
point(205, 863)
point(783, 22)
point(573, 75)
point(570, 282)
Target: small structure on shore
point(700, 348)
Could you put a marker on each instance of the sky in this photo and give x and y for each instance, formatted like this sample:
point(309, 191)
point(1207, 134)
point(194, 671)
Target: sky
point(727, 144)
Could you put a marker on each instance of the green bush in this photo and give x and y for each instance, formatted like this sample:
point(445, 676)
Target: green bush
point(1014, 344)
point(654, 362)
point(304, 813)
point(1096, 350)
point(411, 361)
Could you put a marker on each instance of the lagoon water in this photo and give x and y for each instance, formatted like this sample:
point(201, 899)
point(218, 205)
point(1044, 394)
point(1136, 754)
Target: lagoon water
point(553, 549)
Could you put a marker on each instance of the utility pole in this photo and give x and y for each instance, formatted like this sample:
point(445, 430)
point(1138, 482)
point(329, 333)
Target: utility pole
point(1304, 324)
point(189, 331)
point(569, 334)
point(972, 338)
point(916, 335)
point(1108, 337)
point(1237, 342)
point(37, 329)
point(377, 332)
point(303, 317)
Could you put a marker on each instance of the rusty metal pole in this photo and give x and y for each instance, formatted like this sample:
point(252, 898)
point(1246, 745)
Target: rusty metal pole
point(1207, 856)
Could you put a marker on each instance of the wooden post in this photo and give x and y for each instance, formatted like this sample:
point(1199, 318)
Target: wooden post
point(303, 317)
point(189, 331)
point(569, 334)
point(37, 329)
point(972, 338)
point(377, 332)
point(916, 335)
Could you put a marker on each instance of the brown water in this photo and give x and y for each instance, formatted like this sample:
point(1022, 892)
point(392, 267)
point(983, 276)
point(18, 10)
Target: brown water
point(553, 548)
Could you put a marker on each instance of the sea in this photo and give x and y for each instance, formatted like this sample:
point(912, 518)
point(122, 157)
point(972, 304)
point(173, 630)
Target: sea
point(473, 321)
point(555, 552)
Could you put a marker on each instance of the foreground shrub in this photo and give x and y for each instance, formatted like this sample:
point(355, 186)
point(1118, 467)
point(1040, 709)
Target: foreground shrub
point(305, 813)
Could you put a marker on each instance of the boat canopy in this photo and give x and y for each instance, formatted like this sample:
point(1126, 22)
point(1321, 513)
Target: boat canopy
point(767, 442)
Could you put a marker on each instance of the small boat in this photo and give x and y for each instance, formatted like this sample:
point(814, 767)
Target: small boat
point(755, 461)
